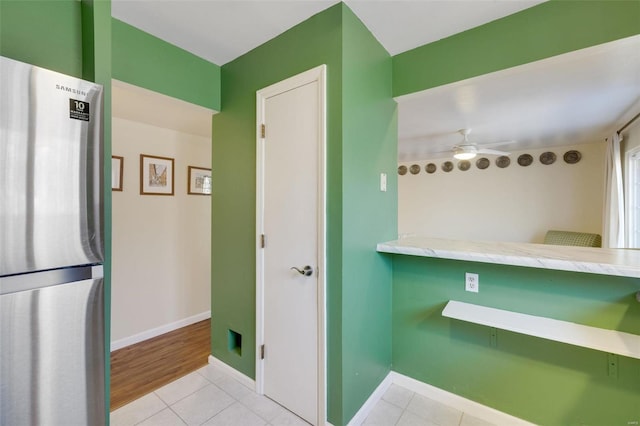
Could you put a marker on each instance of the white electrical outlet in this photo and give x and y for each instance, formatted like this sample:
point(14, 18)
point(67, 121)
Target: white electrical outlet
point(471, 282)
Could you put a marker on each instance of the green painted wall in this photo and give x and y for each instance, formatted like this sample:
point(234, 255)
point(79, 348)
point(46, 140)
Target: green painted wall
point(72, 37)
point(146, 61)
point(307, 45)
point(564, 384)
point(361, 143)
point(43, 33)
point(546, 30)
point(538, 380)
point(541, 381)
point(369, 147)
point(49, 34)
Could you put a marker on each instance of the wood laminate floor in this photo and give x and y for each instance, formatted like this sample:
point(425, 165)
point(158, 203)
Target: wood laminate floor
point(144, 367)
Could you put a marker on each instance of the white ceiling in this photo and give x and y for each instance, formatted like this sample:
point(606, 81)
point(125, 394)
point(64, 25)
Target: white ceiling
point(579, 97)
point(401, 25)
point(222, 30)
point(138, 104)
point(573, 98)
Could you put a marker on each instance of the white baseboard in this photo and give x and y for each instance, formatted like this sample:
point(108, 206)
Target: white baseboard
point(245, 380)
point(458, 402)
point(368, 405)
point(154, 332)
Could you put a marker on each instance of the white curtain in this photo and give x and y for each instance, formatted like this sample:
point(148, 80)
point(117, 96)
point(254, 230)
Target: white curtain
point(613, 217)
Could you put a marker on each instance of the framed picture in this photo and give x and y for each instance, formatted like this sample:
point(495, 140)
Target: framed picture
point(117, 170)
point(156, 175)
point(199, 181)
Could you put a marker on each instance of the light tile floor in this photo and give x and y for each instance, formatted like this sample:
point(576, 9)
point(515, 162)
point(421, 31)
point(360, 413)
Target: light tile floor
point(402, 407)
point(210, 397)
point(207, 397)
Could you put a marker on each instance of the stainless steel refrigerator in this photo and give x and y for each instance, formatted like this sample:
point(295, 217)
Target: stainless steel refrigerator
point(52, 349)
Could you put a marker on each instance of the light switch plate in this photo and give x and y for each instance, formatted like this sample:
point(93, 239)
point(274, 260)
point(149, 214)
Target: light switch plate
point(383, 182)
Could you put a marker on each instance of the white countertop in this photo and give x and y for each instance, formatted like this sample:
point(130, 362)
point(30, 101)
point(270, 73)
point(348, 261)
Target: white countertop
point(619, 262)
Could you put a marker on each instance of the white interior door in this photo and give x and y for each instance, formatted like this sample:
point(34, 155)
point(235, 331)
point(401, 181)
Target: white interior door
point(290, 261)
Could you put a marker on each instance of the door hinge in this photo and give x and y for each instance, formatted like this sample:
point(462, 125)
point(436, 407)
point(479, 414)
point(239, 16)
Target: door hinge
point(263, 130)
point(262, 240)
point(262, 352)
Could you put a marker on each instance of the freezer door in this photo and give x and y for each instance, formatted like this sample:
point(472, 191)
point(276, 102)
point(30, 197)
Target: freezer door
point(52, 357)
point(50, 169)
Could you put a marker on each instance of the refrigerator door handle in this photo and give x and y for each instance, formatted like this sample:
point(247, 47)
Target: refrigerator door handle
point(35, 280)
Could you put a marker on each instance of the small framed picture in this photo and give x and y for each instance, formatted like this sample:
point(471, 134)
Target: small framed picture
point(156, 175)
point(117, 170)
point(199, 181)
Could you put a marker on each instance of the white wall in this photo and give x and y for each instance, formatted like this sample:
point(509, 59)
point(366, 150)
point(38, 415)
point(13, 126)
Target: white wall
point(517, 204)
point(161, 244)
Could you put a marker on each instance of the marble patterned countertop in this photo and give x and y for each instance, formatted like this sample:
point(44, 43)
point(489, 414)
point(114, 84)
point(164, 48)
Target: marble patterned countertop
point(619, 262)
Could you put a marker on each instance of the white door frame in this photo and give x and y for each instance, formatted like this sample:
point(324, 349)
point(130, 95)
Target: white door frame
point(317, 74)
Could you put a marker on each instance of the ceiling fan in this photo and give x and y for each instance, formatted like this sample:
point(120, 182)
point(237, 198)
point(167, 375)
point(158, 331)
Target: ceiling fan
point(468, 150)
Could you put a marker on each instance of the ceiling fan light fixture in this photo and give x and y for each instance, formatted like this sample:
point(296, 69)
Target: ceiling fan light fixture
point(464, 155)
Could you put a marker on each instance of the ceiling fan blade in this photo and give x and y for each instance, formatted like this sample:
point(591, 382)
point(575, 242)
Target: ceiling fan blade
point(492, 152)
point(497, 143)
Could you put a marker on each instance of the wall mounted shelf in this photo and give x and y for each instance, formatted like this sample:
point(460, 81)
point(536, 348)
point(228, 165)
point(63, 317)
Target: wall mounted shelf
point(600, 339)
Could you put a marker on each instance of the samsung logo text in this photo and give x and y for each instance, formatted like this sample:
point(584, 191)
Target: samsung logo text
point(71, 90)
